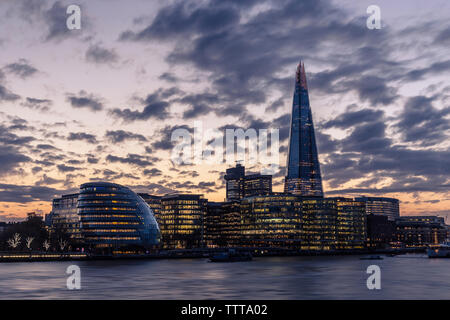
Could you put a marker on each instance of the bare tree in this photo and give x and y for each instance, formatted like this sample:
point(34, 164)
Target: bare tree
point(46, 245)
point(14, 241)
point(62, 244)
point(28, 242)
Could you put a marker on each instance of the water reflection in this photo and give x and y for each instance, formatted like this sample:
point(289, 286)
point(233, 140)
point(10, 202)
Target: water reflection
point(403, 277)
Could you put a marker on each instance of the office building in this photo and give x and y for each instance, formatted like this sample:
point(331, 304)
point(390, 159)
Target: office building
point(239, 185)
point(64, 217)
point(380, 231)
point(303, 170)
point(257, 185)
point(351, 231)
point(235, 182)
point(271, 221)
point(388, 207)
point(114, 219)
point(154, 202)
point(417, 231)
point(223, 224)
point(181, 221)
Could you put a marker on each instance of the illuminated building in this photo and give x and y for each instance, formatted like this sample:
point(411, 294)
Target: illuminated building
point(235, 182)
point(388, 207)
point(154, 202)
point(212, 229)
point(257, 185)
point(64, 216)
point(181, 221)
point(230, 224)
point(115, 219)
point(239, 185)
point(319, 221)
point(351, 231)
point(223, 224)
point(303, 223)
point(271, 221)
point(303, 170)
point(420, 230)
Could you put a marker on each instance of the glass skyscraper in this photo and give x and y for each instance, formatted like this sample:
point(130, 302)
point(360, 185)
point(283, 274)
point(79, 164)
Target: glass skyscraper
point(303, 171)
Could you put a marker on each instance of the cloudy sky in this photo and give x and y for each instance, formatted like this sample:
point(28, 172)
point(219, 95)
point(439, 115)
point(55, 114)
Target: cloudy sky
point(100, 103)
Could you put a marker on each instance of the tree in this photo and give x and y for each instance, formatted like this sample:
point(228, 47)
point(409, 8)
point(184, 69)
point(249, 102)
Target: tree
point(62, 244)
point(28, 242)
point(46, 245)
point(14, 241)
point(32, 227)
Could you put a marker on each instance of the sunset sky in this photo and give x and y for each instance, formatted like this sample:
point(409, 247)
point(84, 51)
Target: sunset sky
point(100, 103)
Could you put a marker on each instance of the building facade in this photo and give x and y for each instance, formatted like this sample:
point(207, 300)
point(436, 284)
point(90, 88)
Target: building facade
point(303, 170)
point(417, 231)
point(303, 223)
point(64, 216)
point(271, 221)
point(234, 178)
point(239, 185)
point(223, 224)
point(181, 221)
point(380, 231)
point(115, 219)
point(388, 207)
point(154, 202)
point(257, 185)
point(351, 224)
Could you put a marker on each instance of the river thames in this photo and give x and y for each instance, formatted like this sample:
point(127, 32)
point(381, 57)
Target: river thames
point(411, 276)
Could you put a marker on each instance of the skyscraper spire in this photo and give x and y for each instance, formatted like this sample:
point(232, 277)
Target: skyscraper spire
point(303, 169)
point(301, 75)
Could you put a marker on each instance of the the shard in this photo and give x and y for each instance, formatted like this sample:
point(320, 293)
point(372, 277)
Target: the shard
point(303, 169)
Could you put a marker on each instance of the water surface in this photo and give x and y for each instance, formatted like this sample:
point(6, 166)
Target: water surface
point(412, 276)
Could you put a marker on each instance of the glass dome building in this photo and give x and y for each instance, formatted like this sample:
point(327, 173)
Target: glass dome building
point(114, 218)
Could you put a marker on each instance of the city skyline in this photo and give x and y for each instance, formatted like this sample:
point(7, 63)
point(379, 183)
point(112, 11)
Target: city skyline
point(99, 104)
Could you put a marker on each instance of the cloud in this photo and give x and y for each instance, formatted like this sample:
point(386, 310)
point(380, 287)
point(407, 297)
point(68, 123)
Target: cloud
point(164, 139)
point(154, 108)
point(21, 68)
point(351, 118)
point(46, 146)
point(119, 136)
point(100, 55)
point(92, 160)
point(6, 95)
point(236, 51)
point(9, 138)
point(46, 180)
point(38, 104)
point(90, 138)
point(11, 159)
point(133, 159)
point(26, 193)
point(85, 100)
point(64, 168)
point(422, 123)
point(56, 19)
point(443, 38)
point(154, 172)
point(168, 76)
point(177, 21)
